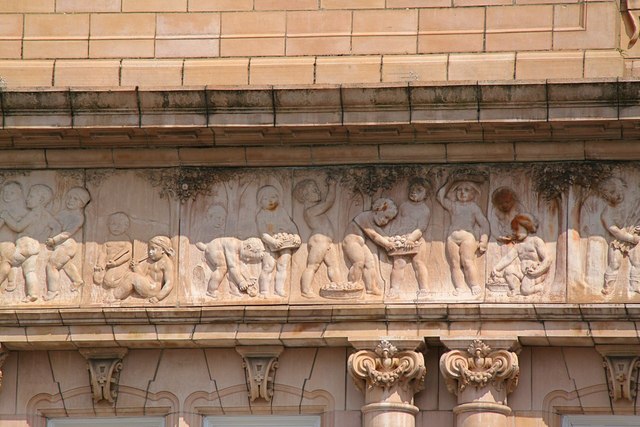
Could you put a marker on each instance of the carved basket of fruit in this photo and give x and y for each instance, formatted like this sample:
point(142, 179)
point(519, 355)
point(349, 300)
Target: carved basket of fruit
point(347, 290)
point(403, 246)
point(286, 241)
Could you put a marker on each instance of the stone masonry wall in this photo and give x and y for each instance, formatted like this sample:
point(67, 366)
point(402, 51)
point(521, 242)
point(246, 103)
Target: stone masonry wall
point(264, 42)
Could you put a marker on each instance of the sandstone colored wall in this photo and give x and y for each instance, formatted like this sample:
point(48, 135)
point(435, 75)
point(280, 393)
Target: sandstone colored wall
point(183, 385)
point(264, 42)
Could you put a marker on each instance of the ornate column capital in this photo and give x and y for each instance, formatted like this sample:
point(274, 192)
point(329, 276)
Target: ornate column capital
point(478, 366)
point(621, 363)
point(387, 367)
point(105, 365)
point(260, 364)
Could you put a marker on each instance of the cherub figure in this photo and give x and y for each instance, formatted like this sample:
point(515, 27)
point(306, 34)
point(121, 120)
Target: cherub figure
point(368, 224)
point(623, 238)
point(64, 245)
point(320, 244)
point(118, 250)
point(230, 256)
point(13, 201)
point(35, 227)
point(462, 245)
point(505, 207)
point(152, 277)
point(280, 235)
point(411, 224)
point(527, 263)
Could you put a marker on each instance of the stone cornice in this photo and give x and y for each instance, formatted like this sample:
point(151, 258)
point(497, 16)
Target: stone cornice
point(409, 113)
point(553, 325)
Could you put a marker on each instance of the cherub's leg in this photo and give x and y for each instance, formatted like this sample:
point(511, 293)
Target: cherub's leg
point(5, 271)
point(397, 274)
point(282, 271)
point(354, 251)
point(634, 270)
point(218, 266)
point(611, 274)
point(468, 260)
point(56, 262)
point(452, 250)
point(12, 282)
point(332, 261)
point(420, 268)
point(315, 257)
point(370, 282)
point(30, 278)
point(266, 275)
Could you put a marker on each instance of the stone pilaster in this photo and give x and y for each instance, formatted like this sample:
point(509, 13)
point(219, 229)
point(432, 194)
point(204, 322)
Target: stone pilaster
point(389, 378)
point(482, 378)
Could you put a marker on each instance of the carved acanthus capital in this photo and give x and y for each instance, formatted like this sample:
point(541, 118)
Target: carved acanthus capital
point(387, 367)
point(104, 366)
point(260, 365)
point(479, 366)
point(621, 365)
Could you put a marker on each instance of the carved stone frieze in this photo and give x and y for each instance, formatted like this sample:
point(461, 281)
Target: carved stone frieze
point(104, 366)
point(260, 364)
point(386, 367)
point(622, 365)
point(478, 367)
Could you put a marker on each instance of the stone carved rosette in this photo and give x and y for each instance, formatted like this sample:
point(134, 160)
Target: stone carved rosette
point(42, 229)
point(132, 238)
point(479, 366)
point(603, 233)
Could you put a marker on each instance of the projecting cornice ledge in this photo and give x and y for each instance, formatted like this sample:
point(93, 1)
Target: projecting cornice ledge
point(462, 111)
point(320, 326)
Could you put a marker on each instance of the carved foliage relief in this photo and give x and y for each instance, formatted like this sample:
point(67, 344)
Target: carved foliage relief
point(401, 234)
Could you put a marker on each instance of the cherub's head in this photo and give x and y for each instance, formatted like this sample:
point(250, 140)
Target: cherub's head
point(77, 198)
point(118, 223)
point(39, 195)
point(612, 191)
point(252, 250)
point(217, 216)
point(307, 191)
point(504, 199)
point(522, 225)
point(466, 191)
point(12, 191)
point(268, 198)
point(158, 247)
point(384, 210)
point(418, 190)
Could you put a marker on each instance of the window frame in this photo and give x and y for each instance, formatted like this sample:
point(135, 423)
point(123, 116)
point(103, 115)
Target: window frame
point(262, 421)
point(108, 422)
point(600, 420)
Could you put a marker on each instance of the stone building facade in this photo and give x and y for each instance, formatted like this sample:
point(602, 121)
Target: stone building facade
point(319, 213)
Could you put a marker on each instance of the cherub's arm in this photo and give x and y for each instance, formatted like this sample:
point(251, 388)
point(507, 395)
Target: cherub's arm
point(264, 235)
point(64, 235)
point(167, 280)
point(15, 225)
point(377, 238)
point(543, 256)
point(485, 228)
point(505, 261)
point(328, 201)
point(121, 257)
point(615, 230)
point(423, 223)
point(232, 256)
point(441, 196)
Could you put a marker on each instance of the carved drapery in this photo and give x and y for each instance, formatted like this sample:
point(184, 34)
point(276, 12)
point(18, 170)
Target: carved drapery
point(104, 366)
point(260, 364)
point(478, 366)
point(386, 367)
point(621, 365)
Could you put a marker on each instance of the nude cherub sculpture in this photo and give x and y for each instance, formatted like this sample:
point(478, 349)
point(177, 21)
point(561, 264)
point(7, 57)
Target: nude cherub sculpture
point(63, 244)
point(368, 225)
point(280, 235)
point(320, 244)
point(229, 256)
point(151, 277)
point(467, 220)
point(13, 201)
point(35, 227)
point(113, 265)
point(623, 238)
point(527, 263)
point(505, 207)
point(411, 225)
